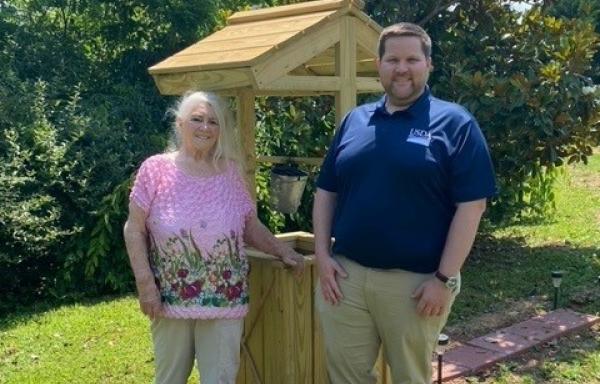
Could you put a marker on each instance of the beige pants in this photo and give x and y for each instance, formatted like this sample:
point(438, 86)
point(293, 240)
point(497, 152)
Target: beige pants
point(377, 309)
point(215, 344)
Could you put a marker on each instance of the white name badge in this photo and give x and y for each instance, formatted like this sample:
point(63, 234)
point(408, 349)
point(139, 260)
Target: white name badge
point(419, 136)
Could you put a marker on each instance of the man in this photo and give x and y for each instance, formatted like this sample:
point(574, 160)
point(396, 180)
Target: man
point(402, 189)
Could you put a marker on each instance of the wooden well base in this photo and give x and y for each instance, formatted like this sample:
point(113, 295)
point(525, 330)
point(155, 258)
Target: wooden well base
point(282, 340)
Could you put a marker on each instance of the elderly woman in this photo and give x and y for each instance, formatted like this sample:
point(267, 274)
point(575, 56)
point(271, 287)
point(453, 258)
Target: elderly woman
point(190, 215)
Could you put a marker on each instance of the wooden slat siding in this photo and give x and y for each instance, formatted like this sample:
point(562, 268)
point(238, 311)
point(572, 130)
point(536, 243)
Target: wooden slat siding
point(273, 336)
point(319, 357)
point(295, 52)
point(345, 100)
point(255, 341)
point(297, 326)
point(179, 83)
point(291, 10)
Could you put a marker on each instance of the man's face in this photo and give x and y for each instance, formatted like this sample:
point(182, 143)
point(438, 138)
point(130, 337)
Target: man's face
point(403, 71)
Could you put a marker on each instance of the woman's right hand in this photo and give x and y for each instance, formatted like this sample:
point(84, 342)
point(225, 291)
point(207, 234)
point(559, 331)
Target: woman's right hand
point(150, 302)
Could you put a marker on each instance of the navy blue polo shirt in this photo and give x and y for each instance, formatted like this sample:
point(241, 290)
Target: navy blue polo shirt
point(398, 178)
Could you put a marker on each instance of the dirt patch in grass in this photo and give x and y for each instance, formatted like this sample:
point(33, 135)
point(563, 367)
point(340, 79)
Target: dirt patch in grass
point(513, 312)
point(589, 181)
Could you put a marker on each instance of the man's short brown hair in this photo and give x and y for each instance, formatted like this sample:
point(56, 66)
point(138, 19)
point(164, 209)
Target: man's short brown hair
point(404, 29)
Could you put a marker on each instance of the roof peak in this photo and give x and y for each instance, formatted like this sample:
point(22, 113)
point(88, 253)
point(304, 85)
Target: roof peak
point(303, 8)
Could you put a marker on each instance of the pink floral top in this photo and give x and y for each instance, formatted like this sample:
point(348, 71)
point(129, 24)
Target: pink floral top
point(196, 248)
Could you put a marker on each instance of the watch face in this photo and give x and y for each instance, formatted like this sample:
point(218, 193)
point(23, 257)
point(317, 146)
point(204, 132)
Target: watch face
point(452, 283)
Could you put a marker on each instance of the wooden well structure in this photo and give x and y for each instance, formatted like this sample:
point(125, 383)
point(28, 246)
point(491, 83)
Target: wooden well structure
point(323, 47)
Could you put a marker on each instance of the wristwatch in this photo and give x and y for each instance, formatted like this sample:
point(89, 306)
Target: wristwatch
point(451, 282)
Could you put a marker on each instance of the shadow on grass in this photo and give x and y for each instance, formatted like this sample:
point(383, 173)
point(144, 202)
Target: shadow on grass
point(509, 269)
point(16, 312)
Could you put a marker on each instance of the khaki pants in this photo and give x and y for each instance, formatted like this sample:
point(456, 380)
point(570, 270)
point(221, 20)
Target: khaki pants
point(377, 309)
point(214, 343)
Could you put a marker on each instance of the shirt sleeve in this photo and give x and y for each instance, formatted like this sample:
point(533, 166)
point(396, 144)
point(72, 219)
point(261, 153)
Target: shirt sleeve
point(472, 174)
point(243, 200)
point(327, 179)
point(145, 185)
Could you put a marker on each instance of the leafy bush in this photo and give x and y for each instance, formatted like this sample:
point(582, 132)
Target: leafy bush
point(41, 179)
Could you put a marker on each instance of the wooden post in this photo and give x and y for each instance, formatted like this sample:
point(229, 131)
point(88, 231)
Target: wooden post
point(246, 121)
point(345, 68)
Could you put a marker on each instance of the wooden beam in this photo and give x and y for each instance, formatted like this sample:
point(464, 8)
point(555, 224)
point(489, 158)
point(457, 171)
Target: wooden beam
point(179, 83)
point(246, 121)
point(304, 83)
point(285, 159)
point(296, 52)
point(368, 85)
point(268, 93)
point(367, 36)
point(291, 10)
point(319, 85)
point(367, 20)
point(345, 61)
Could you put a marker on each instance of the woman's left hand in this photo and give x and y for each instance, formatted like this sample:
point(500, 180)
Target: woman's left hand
point(294, 260)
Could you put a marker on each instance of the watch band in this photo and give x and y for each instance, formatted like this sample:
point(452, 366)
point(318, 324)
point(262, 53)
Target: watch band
point(441, 277)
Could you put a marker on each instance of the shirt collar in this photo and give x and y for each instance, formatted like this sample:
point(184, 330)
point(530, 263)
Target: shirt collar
point(419, 106)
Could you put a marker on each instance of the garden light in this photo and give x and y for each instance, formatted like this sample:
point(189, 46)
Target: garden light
point(443, 341)
point(556, 281)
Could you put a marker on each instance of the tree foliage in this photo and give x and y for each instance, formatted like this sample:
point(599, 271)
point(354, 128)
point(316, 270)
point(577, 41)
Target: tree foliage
point(525, 78)
point(79, 112)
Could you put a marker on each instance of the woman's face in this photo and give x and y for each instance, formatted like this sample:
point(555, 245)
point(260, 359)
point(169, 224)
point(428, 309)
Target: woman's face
point(199, 130)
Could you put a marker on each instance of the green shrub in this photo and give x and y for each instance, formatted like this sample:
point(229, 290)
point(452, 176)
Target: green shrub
point(41, 179)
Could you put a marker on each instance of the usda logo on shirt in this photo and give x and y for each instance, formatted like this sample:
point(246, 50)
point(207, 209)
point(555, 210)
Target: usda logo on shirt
point(419, 136)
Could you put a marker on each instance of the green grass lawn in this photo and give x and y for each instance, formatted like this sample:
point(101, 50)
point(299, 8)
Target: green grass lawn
point(108, 340)
point(97, 342)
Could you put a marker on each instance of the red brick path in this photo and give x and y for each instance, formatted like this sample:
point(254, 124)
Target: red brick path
point(482, 352)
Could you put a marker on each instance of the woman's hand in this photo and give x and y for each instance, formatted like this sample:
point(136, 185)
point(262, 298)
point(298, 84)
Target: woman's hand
point(294, 260)
point(135, 236)
point(150, 302)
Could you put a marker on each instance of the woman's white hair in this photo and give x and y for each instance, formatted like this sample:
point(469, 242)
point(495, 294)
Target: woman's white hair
point(227, 146)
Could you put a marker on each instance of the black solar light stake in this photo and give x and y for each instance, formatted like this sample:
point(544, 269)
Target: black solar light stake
point(443, 341)
point(556, 281)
